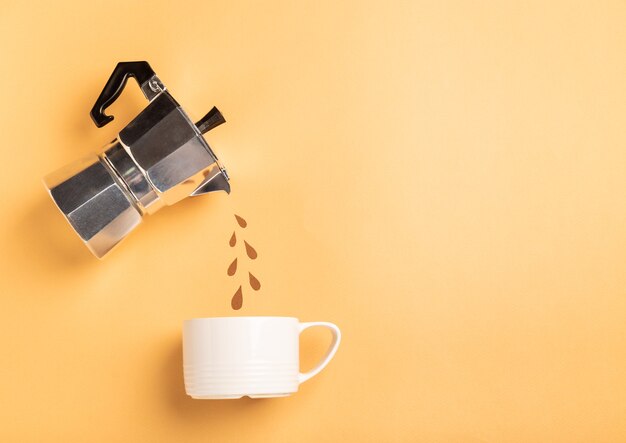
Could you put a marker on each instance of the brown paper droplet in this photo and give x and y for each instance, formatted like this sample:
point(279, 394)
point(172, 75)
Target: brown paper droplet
point(254, 282)
point(250, 250)
point(232, 268)
point(233, 240)
point(241, 221)
point(237, 300)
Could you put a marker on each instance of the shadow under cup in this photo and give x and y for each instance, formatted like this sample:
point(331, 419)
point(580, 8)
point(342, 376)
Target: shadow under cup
point(232, 357)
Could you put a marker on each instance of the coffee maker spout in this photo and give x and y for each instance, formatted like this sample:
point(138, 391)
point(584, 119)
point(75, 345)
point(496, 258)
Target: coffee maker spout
point(218, 182)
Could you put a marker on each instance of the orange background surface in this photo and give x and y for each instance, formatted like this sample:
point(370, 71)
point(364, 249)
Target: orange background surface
point(444, 180)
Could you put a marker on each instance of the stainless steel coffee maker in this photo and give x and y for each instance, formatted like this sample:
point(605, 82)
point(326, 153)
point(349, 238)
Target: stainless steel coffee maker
point(158, 159)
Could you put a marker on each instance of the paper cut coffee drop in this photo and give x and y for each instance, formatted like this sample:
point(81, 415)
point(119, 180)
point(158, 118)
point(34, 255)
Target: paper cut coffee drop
point(233, 240)
point(250, 250)
point(241, 221)
point(237, 301)
point(254, 282)
point(232, 268)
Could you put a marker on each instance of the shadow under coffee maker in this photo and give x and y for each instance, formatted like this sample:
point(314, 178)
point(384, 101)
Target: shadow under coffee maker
point(158, 159)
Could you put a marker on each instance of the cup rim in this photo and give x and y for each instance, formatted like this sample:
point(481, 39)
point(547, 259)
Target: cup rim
point(242, 317)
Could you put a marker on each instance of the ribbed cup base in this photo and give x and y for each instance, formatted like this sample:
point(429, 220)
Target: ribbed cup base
point(252, 380)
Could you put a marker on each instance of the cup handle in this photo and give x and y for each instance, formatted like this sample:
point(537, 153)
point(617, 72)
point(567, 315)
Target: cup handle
point(302, 377)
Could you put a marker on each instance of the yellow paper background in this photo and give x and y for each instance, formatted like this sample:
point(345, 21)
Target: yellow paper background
point(444, 180)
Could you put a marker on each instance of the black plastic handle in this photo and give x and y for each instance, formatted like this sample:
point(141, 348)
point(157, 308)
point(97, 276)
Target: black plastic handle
point(141, 71)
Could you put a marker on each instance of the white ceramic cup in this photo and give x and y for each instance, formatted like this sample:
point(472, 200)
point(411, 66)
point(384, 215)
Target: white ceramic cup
point(230, 357)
